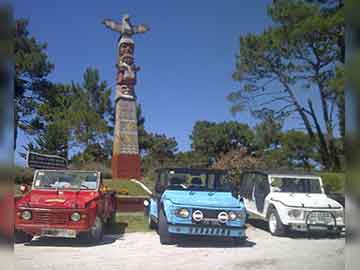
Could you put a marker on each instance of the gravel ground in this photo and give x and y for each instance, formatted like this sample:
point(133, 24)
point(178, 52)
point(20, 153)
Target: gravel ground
point(143, 251)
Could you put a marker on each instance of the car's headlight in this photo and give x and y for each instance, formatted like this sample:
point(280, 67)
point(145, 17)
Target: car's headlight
point(183, 213)
point(233, 215)
point(339, 214)
point(242, 215)
point(26, 215)
point(75, 217)
point(237, 215)
point(146, 203)
point(295, 213)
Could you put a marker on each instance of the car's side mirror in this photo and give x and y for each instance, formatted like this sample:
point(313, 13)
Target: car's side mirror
point(327, 189)
point(104, 188)
point(24, 188)
point(235, 191)
point(159, 189)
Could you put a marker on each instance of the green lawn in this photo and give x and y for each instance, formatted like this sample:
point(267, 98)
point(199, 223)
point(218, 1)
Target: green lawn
point(132, 188)
point(130, 222)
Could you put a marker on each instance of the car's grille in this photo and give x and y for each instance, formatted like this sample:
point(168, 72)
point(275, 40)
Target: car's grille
point(317, 217)
point(210, 231)
point(41, 217)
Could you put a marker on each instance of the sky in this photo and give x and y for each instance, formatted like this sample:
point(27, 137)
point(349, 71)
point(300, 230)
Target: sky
point(186, 59)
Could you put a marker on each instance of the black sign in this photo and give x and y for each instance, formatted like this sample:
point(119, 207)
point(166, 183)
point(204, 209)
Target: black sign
point(46, 162)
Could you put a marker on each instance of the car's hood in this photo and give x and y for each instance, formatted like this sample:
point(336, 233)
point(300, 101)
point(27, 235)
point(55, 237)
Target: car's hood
point(203, 198)
point(305, 200)
point(57, 199)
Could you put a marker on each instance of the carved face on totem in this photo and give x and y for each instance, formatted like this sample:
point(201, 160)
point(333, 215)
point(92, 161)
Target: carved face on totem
point(127, 59)
point(126, 90)
point(126, 48)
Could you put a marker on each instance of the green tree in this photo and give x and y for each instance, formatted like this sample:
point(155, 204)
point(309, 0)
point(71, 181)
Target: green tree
point(159, 151)
point(93, 153)
point(191, 159)
point(301, 51)
point(52, 140)
point(142, 134)
point(268, 133)
point(212, 139)
point(32, 67)
point(91, 109)
point(299, 149)
point(53, 119)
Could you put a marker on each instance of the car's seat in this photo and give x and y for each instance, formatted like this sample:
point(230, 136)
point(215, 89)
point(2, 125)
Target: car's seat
point(176, 183)
point(196, 182)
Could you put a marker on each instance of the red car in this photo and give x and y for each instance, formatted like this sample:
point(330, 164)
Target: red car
point(65, 203)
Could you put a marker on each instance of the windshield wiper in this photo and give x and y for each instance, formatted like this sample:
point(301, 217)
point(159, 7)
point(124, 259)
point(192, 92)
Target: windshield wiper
point(82, 185)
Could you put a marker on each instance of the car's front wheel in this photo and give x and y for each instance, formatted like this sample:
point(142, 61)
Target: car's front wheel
point(239, 241)
point(152, 223)
point(276, 227)
point(21, 237)
point(165, 237)
point(96, 232)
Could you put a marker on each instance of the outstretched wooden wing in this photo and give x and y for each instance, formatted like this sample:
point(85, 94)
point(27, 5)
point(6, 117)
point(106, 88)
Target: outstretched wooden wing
point(141, 28)
point(113, 25)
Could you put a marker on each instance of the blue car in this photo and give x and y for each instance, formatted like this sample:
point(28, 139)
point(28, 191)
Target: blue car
point(195, 202)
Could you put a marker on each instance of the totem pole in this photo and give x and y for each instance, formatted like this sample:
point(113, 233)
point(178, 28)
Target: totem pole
point(126, 158)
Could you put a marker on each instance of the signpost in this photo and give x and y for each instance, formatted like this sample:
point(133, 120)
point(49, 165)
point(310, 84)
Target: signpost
point(46, 162)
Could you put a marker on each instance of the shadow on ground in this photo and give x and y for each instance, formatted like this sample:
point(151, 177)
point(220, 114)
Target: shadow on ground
point(113, 233)
point(213, 242)
point(262, 225)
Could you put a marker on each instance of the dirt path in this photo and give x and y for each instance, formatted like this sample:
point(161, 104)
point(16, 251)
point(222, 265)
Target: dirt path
point(143, 251)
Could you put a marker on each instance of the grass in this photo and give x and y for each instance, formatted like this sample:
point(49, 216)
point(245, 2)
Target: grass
point(125, 187)
point(130, 222)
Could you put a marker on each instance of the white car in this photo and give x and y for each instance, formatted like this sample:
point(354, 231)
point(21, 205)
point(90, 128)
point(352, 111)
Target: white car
point(290, 201)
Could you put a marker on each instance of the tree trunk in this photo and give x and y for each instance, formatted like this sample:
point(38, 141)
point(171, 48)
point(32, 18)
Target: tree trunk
point(332, 150)
point(300, 109)
point(325, 157)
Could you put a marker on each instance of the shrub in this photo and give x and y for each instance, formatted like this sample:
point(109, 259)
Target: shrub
point(98, 166)
point(23, 175)
point(236, 162)
point(334, 182)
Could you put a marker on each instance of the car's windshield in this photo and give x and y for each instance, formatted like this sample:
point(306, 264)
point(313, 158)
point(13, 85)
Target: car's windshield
point(206, 181)
point(296, 185)
point(65, 180)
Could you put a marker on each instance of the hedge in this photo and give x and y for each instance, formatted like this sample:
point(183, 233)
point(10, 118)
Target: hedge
point(335, 182)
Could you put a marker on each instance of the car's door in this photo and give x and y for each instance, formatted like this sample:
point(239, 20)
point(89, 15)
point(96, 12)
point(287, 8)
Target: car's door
point(101, 202)
point(155, 200)
point(262, 189)
point(247, 191)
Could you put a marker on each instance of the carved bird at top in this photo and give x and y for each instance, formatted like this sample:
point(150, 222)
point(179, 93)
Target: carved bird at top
point(125, 28)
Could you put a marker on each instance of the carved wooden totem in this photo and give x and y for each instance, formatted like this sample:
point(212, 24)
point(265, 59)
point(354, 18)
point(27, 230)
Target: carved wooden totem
point(126, 163)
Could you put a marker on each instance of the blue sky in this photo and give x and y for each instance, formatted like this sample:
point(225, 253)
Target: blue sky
point(186, 60)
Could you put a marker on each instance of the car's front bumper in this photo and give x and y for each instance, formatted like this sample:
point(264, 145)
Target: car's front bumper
point(221, 231)
point(52, 230)
point(303, 227)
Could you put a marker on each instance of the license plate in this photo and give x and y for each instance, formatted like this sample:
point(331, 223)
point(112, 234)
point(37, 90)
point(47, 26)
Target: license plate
point(58, 233)
point(211, 222)
point(318, 228)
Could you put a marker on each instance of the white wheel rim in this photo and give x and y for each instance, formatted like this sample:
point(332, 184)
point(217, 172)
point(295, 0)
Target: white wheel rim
point(272, 223)
point(96, 228)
